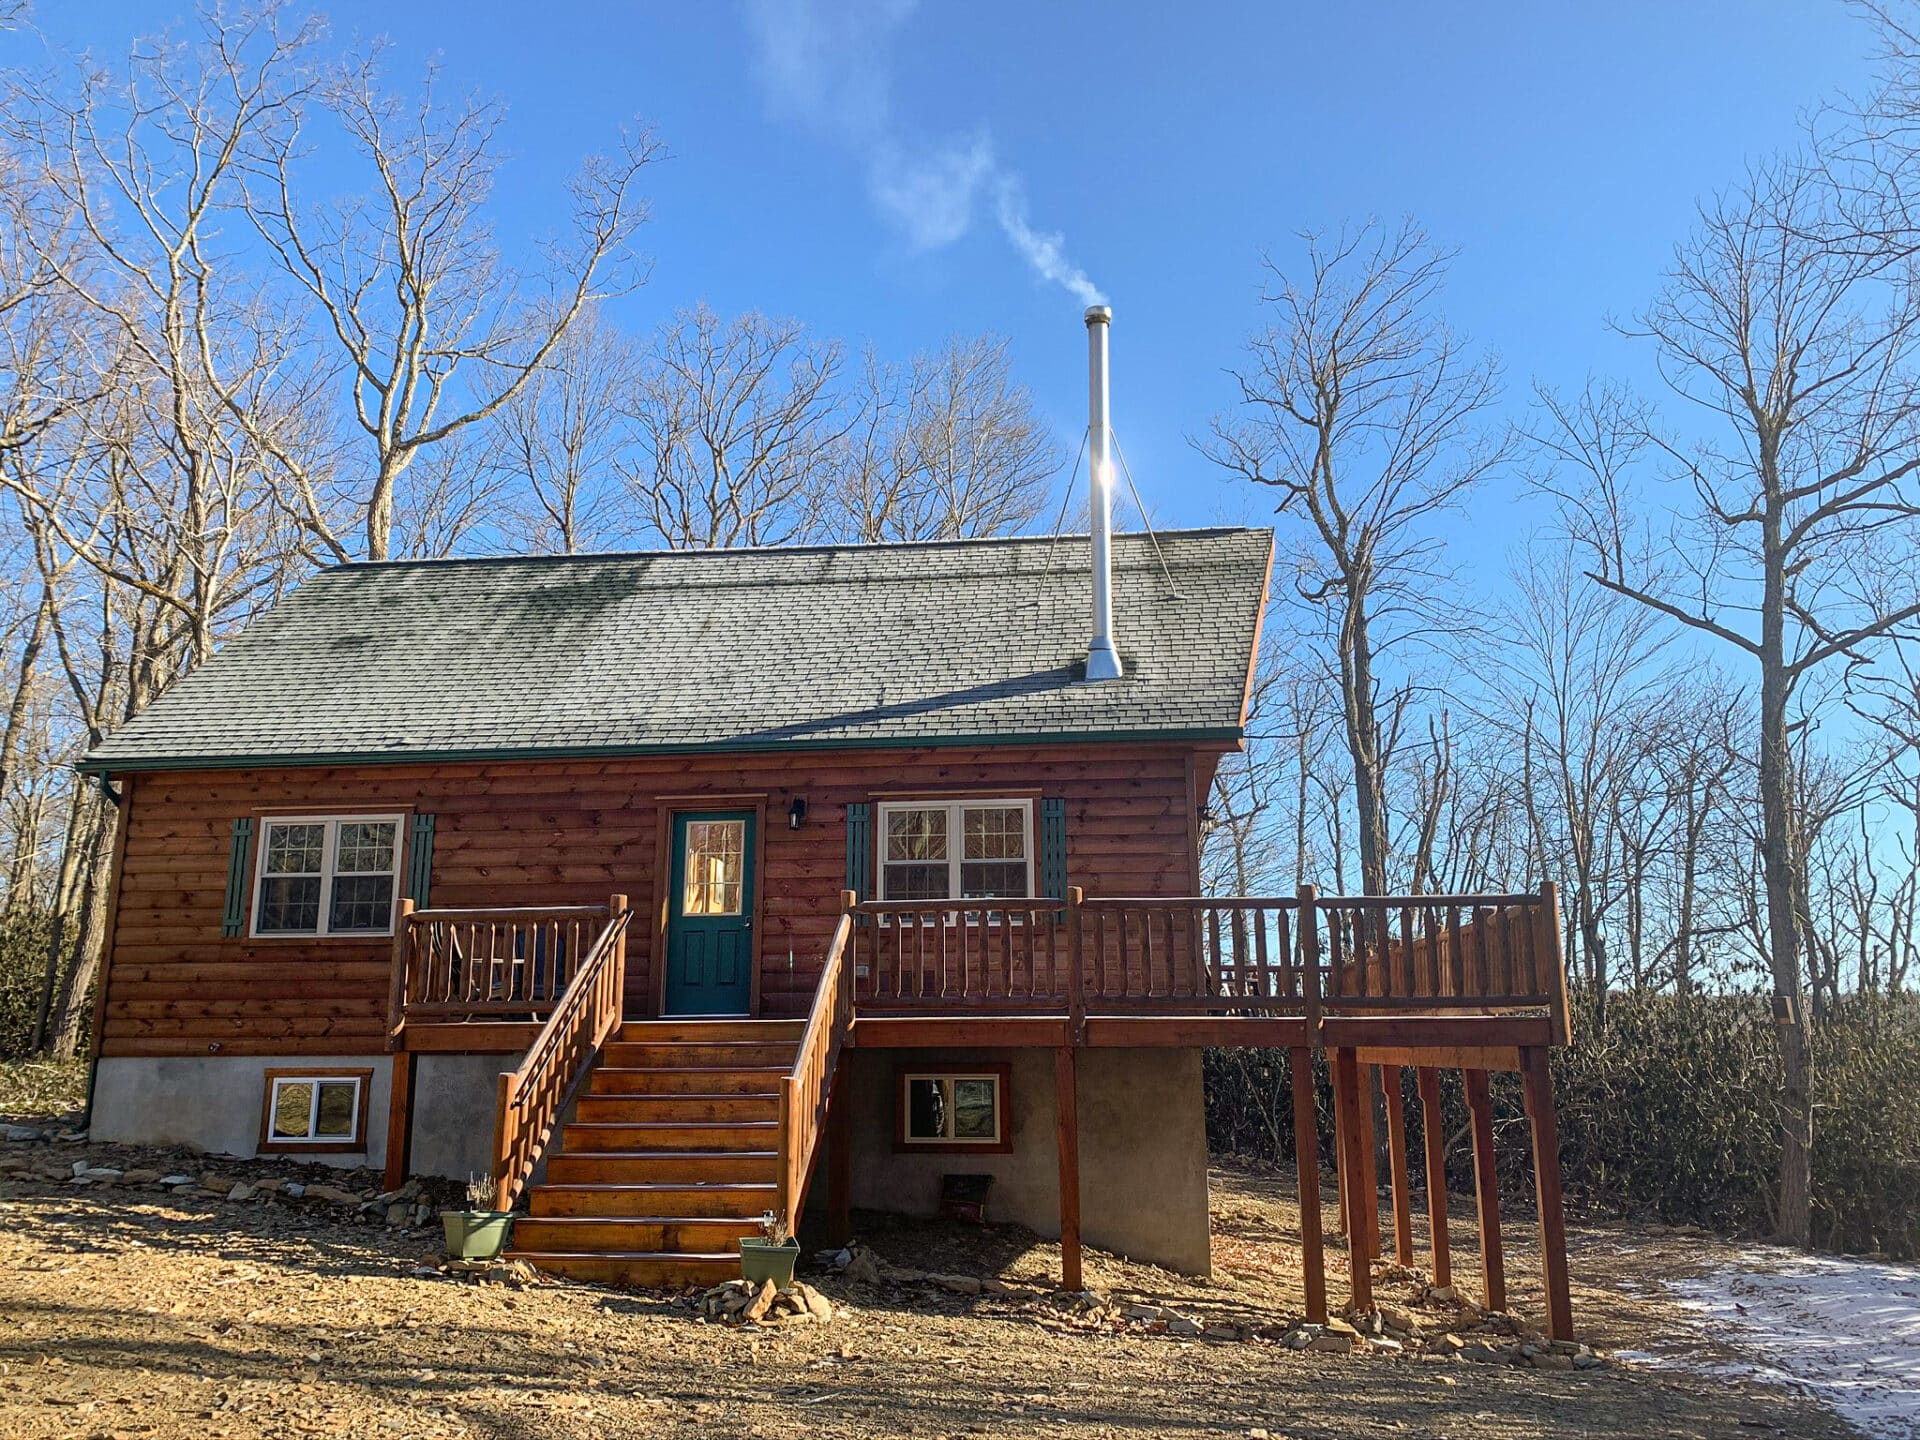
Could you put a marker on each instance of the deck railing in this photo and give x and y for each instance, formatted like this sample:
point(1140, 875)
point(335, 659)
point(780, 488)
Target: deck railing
point(492, 964)
point(1000, 954)
point(806, 1091)
point(1303, 954)
point(533, 1094)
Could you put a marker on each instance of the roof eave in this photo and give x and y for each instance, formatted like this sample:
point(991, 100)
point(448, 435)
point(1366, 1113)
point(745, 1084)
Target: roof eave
point(1222, 734)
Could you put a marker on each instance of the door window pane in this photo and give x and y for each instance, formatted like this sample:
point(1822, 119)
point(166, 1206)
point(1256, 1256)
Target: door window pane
point(716, 857)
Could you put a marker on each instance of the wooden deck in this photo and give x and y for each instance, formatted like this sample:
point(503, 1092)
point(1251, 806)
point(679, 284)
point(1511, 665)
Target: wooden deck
point(1377, 985)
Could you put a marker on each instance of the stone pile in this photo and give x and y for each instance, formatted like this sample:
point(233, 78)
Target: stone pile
point(30, 1157)
point(740, 1302)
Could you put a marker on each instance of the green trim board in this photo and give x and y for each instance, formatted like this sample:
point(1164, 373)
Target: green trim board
point(1223, 735)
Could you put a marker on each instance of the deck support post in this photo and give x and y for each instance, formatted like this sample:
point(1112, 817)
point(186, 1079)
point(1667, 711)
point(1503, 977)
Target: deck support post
point(1306, 1151)
point(400, 1119)
point(1352, 1165)
point(840, 1157)
point(1397, 1161)
point(1342, 1122)
point(1368, 1213)
point(1433, 1132)
point(1545, 1125)
point(1066, 1114)
point(1486, 1185)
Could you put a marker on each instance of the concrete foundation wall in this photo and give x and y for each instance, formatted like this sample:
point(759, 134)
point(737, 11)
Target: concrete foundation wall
point(213, 1103)
point(1143, 1149)
point(454, 1097)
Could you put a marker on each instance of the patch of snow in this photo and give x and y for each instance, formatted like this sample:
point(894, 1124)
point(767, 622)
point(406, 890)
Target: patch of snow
point(1846, 1332)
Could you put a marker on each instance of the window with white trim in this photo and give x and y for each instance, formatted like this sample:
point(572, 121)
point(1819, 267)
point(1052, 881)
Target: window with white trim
point(953, 1109)
point(314, 1110)
point(962, 849)
point(327, 875)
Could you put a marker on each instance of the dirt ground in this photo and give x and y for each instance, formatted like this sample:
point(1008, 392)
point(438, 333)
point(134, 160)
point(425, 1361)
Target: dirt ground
point(133, 1312)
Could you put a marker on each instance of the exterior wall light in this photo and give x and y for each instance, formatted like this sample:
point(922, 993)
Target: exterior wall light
point(796, 812)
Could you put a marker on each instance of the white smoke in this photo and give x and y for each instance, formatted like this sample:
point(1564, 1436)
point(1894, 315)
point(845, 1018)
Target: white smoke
point(1047, 254)
point(825, 64)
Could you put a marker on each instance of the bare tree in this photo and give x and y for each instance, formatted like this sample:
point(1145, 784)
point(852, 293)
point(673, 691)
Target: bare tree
point(1365, 413)
point(1798, 506)
point(735, 422)
point(433, 330)
point(946, 447)
point(559, 441)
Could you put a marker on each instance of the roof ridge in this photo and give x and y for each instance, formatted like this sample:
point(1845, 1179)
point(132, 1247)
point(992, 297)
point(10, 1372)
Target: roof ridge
point(821, 548)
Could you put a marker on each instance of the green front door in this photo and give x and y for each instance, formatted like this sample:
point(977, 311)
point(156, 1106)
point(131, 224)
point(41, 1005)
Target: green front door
point(710, 924)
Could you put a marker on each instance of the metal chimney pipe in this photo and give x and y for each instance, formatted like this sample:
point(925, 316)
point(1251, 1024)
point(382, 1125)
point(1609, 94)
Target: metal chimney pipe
point(1103, 663)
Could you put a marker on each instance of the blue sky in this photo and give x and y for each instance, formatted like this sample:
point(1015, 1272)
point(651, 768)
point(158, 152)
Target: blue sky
point(1559, 147)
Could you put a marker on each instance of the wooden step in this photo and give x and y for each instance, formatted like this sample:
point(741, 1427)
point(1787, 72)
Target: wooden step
point(657, 1032)
point(686, 1080)
point(670, 1234)
point(663, 1167)
point(680, 1108)
point(717, 1201)
point(593, 1137)
point(644, 1270)
point(679, 1054)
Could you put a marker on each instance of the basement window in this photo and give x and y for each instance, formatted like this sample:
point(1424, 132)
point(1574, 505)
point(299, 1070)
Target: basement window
point(327, 875)
point(315, 1110)
point(951, 1110)
point(969, 849)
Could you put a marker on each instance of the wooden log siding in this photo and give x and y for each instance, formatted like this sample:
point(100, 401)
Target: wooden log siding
point(552, 833)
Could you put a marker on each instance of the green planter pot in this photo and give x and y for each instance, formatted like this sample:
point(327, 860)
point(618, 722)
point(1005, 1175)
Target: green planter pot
point(762, 1260)
point(476, 1234)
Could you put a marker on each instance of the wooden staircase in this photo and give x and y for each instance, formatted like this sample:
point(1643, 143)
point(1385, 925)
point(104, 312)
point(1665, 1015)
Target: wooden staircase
point(670, 1158)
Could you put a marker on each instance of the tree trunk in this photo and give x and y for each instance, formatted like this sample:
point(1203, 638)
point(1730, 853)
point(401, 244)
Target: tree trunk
point(1780, 857)
point(63, 1042)
point(1363, 738)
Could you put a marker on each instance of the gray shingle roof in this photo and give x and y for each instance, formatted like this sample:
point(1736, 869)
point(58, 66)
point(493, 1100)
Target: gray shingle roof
point(976, 641)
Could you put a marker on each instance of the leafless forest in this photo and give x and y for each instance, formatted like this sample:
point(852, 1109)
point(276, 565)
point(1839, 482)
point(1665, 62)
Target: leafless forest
point(1694, 701)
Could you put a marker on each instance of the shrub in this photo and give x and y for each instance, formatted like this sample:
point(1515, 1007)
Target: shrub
point(24, 935)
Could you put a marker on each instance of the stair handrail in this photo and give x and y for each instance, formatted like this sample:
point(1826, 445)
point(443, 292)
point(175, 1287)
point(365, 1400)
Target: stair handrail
point(806, 1091)
point(533, 1094)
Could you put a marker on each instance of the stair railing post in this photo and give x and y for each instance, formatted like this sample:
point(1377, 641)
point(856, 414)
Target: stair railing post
point(503, 1137)
point(398, 986)
point(616, 912)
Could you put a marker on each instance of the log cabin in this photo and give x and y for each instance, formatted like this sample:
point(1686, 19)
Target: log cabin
point(672, 889)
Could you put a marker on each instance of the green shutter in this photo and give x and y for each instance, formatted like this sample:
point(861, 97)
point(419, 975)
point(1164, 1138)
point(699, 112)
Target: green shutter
point(1053, 848)
point(420, 862)
point(241, 848)
point(860, 849)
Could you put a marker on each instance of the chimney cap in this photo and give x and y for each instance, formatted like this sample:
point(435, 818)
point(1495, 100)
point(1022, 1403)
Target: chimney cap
point(1099, 315)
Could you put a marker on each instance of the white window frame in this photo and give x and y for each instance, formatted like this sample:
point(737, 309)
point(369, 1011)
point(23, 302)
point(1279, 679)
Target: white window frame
point(327, 875)
point(351, 1140)
point(952, 1077)
point(956, 841)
